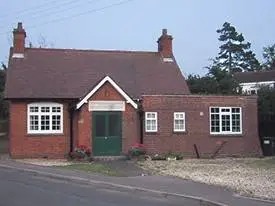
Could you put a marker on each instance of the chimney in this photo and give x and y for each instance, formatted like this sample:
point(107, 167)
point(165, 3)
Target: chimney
point(19, 36)
point(165, 45)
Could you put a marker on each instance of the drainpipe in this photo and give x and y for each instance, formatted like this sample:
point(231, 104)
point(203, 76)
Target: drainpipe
point(71, 116)
point(141, 117)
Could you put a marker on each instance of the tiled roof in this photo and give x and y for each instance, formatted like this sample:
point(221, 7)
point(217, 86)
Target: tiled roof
point(261, 76)
point(70, 73)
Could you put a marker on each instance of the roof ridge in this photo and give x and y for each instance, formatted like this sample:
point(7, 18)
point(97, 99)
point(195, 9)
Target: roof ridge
point(255, 72)
point(91, 50)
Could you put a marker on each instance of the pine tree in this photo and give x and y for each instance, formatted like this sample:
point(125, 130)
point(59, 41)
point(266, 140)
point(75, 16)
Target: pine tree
point(235, 54)
point(269, 57)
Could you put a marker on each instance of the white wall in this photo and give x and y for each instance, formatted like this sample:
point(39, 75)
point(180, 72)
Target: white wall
point(251, 87)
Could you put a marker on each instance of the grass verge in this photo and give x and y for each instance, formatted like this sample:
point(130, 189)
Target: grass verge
point(91, 168)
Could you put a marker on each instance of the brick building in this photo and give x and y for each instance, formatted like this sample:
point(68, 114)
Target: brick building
point(110, 100)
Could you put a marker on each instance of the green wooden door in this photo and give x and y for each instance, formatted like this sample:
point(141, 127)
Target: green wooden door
point(107, 133)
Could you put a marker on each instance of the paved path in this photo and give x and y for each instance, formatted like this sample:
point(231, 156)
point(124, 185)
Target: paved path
point(167, 186)
point(126, 168)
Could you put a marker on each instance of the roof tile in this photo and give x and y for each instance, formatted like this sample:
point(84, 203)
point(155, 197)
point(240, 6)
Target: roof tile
point(69, 73)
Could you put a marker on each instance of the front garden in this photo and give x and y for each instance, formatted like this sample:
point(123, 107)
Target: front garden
point(253, 177)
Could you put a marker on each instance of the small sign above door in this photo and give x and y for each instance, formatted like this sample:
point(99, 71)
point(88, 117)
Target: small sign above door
point(106, 106)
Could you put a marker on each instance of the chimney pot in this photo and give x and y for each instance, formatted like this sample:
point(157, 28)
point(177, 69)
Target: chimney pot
point(19, 36)
point(19, 26)
point(165, 44)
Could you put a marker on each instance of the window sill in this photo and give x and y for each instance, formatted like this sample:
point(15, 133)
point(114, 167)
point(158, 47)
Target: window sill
point(44, 134)
point(227, 135)
point(179, 132)
point(151, 133)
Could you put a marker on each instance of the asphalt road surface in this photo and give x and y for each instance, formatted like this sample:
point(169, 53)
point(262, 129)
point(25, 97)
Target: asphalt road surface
point(25, 189)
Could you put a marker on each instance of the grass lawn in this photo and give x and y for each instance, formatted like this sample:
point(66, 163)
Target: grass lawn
point(92, 168)
point(252, 177)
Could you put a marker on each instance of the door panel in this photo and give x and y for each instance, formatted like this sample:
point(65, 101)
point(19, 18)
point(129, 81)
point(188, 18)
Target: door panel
point(114, 121)
point(100, 129)
point(107, 133)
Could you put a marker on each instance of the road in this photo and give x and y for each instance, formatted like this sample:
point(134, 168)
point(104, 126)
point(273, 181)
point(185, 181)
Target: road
point(25, 189)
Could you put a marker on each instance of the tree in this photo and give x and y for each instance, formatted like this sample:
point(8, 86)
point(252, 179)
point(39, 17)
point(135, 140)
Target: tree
point(266, 111)
point(3, 104)
point(235, 54)
point(217, 81)
point(269, 57)
point(201, 85)
point(225, 82)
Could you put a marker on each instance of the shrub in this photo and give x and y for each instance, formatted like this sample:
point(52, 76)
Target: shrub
point(165, 156)
point(159, 157)
point(81, 152)
point(176, 155)
point(137, 150)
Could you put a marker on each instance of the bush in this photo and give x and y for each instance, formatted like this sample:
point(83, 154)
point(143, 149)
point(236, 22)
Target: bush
point(138, 150)
point(159, 157)
point(176, 155)
point(81, 152)
point(165, 156)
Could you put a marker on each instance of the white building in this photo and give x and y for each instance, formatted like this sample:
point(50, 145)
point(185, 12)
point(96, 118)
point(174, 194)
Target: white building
point(251, 82)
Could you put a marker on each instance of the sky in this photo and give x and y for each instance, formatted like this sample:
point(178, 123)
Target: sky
point(137, 24)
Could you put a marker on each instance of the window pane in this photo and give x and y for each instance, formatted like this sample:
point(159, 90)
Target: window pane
point(236, 123)
point(214, 110)
point(114, 125)
point(33, 109)
point(225, 122)
point(56, 109)
point(34, 122)
point(148, 125)
point(215, 123)
point(179, 115)
point(154, 125)
point(45, 109)
point(179, 124)
point(56, 122)
point(235, 110)
point(225, 110)
point(45, 122)
point(100, 126)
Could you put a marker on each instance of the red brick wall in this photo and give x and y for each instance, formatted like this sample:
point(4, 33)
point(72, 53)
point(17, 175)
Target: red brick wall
point(197, 125)
point(130, 127)
point(196, 109)
point(23, 145)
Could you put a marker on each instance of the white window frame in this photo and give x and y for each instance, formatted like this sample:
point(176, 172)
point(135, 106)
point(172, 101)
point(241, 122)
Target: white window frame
point(178, 118)
point(152, 119)
point(220, 120)
point(39, 114)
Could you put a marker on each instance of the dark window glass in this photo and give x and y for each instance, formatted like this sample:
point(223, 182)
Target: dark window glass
point(114, 125)
point(100, 125)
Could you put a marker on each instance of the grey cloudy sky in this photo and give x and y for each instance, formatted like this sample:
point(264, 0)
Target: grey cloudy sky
point(136, 25)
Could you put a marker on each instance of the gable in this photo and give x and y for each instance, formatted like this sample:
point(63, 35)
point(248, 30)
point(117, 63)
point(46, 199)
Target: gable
point(99, 85)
